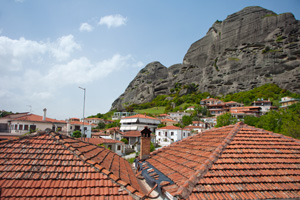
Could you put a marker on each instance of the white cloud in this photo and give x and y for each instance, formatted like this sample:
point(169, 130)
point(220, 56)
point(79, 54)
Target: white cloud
point(63, 47)
point(15, 53)
point(83, 71)
point(86, 27)
point(113, 20)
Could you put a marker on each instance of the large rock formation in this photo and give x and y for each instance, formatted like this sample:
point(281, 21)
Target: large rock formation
point(249, 48)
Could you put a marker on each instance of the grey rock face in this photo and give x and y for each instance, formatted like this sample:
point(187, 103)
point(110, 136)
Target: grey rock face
point(249, 48)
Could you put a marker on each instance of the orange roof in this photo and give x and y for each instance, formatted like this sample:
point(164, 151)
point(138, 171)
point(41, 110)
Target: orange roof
point(80, 123)
point(140, 116)
point(210, 99)
point(37, 118)
point(99, 134)
point(55, 166)
point(167, 120)
point(231, 162)
point(97, 141)
point(131, 134)
point(231, 102)
point(169, 128)
point(113, 129)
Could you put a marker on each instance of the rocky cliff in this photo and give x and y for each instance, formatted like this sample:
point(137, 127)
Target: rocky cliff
point(249, 48)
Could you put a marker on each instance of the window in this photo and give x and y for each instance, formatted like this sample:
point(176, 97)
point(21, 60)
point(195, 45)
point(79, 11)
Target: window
point(172, 133)
point(16, 127)
point(166, 134)
point(26, 127)
point(119, 147)
point(159, 133)
point(184, 134)
point(21, 127)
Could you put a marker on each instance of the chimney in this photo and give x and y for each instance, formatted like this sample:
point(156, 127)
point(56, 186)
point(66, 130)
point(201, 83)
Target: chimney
point(145, 143)
point(44, 117)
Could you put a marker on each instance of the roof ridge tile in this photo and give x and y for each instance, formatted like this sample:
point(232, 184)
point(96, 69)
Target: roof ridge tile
point(185, 190)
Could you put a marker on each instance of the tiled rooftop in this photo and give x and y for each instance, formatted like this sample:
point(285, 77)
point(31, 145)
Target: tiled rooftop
point(131, 134)
point(140, 116)
point(97, 141)
point(232, 162)
point(37, 118)
point(60, 167)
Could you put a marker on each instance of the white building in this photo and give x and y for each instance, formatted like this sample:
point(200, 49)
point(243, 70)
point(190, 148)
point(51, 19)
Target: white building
point(138, 123)
point(177, 116)
point(32, 123)
point(169, 134)
point(77, 125)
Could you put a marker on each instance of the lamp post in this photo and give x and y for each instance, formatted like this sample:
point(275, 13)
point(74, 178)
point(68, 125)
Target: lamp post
point(83, 110)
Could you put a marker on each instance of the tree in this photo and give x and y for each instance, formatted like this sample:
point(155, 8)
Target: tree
point(152, 147)
point(251, 120)
point(101, 125)
point(187, 120)
point(225, 119)
point(124, 140)
point(114, 124)
point(76, 134)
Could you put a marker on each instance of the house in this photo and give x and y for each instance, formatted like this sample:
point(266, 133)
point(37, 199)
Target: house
point(209, 121)
point(138, 123)
point(168, 122)
point(190, 108)
point(77, 125)
point(119, 115)
point(210, 101)
point(287, 101)
point(114, 145)
point(232, 162)
point(100, 134)
point(133, 138)
point(198, 123)
point(194, 129)
point(114, 133)
point(169, 134)
point(241, 112)
point(231, 104)
point(177, 116)
point(4, 121)
point(93, 120)
point(263, 104)
point(31, 123)
point(163, 116)
point(55, 166)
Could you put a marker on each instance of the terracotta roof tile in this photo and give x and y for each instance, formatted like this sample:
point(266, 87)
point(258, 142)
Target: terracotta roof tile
point(43, 166)
point(236, 161)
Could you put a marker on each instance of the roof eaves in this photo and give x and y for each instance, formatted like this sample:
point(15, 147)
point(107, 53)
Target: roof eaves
point(135, 193)
point(186, 189)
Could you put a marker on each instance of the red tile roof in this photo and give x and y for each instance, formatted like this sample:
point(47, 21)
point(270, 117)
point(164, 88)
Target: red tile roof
point(79, 123)
point(37, 118)
point(131, 134)
point(169, 128)
point(232, 162)
point(97, 141)
point(55, 167)
point(140, 116)
point(167, 120)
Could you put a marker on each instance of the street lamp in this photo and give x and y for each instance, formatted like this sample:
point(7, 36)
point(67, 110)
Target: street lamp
point(83, 110)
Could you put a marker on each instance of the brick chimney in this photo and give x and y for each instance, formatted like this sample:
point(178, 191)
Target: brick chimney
point(145, 143)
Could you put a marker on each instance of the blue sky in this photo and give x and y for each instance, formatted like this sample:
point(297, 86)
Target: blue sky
point(48, 48)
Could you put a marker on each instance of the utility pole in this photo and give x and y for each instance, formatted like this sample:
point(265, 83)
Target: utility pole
point(83, 111)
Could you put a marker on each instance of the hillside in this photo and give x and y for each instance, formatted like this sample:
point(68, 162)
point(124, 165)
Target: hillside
point(248, 49)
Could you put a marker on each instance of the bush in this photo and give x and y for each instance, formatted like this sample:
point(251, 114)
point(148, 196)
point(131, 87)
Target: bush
point(124, 140)
point(76, 134)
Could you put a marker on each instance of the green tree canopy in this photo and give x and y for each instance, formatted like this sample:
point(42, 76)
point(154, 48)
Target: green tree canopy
point(225, 119)
point(76, 134)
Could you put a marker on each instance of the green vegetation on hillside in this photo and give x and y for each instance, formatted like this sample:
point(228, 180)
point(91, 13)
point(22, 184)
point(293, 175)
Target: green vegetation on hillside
point(284, 121)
